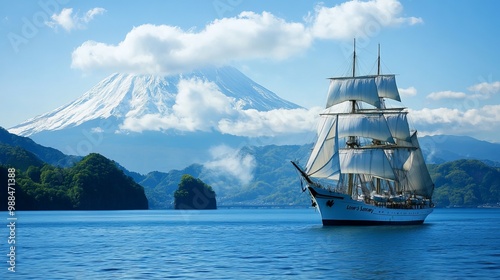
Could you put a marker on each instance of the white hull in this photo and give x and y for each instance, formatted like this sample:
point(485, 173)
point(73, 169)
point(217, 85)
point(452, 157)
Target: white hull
point(341, 209)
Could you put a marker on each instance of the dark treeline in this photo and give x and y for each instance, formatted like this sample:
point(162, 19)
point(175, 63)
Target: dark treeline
point(94, 183)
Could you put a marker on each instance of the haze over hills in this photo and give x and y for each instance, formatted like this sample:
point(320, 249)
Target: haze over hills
point(444, 148)
point(149, 122)
point(252, 175)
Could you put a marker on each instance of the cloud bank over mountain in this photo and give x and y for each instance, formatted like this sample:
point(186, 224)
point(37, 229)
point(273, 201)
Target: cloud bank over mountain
point(159, 122)
point(201, 106)
point(219, 100)
point(457, 121)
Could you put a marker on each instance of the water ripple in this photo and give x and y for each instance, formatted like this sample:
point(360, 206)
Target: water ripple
point(253, 243)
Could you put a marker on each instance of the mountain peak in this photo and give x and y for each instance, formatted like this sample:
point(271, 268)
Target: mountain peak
point(134, 96)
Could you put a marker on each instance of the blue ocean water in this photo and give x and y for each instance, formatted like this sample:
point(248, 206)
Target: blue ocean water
point(249, 244)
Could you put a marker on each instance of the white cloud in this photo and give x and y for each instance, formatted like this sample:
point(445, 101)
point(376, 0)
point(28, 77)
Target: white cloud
point(485, 90)
point(228, 161)
point(454, 121)
point(63, 19)
point(446, 95)
point(481, 91)
point(200, 106)
point(253, 123)
point(411, 91)
point(92, 13)
point(69, 21)
point(169, 49)
point(358, 19)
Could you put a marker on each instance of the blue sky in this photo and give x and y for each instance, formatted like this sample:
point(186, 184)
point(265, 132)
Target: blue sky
point(445, 53)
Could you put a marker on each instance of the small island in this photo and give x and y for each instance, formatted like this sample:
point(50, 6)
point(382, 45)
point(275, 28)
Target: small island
point(194, 194)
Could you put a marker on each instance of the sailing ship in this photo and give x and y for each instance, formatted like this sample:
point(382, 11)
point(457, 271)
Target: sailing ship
point(366, 167)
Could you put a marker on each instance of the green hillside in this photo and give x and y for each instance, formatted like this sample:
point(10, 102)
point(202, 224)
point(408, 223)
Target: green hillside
point(94, 183)
point(465, 183)
point(45, 154)
point(19, 157)
point(193, 193)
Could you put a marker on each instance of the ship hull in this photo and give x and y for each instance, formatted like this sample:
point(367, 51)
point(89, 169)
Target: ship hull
point(341, 209)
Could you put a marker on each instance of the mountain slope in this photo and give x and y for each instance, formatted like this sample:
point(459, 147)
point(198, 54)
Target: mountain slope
point(45, 154)
point(444, 148)
point(161, 123)
point(122, 96)
point(149, 122)
point(18, 157)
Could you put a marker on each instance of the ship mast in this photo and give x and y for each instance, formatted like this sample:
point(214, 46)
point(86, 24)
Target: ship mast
point(351, 143)
point(354, 60)
point(353, 102)
point(378, 61)
point(377, 184)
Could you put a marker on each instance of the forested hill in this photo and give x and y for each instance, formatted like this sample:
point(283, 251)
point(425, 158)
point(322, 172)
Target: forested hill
point(465, 183)
point(94, 183)
point(45, 154)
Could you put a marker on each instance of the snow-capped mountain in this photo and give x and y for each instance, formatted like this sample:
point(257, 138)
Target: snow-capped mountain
point(148, 122)
point(132, 96)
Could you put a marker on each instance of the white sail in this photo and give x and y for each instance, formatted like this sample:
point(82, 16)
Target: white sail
point(418, 178)
point(398, 125)
point(366, 147)
point(366, 161)
point(364, 125)
point(358, 88)
point(324, 159)
point(387, 88)
point(398, 157)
